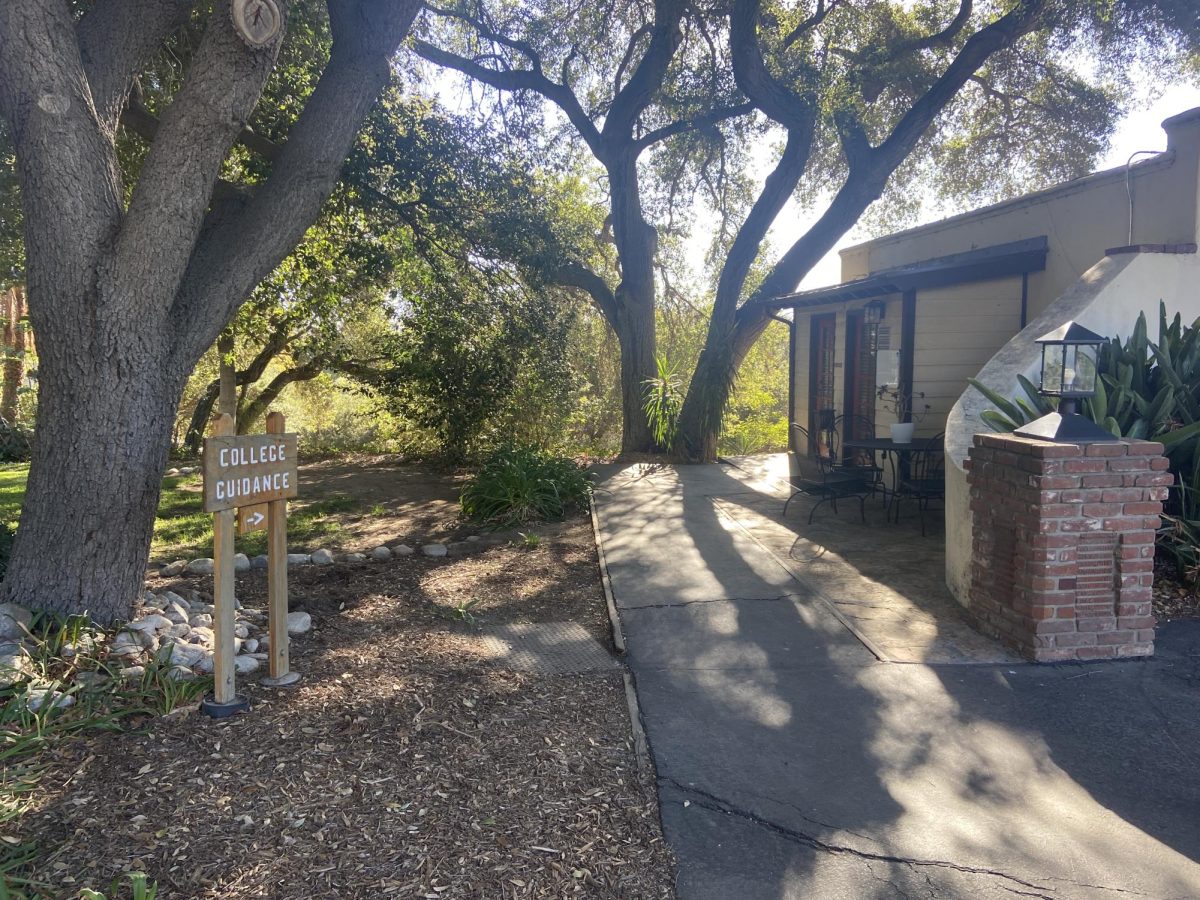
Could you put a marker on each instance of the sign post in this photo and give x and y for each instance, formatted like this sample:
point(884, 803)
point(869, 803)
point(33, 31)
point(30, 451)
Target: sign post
point(277, 610)
point(242, 471)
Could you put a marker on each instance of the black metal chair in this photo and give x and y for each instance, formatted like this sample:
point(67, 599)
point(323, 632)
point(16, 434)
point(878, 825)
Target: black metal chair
point(925, 478)
point(818, 477)
point(863, 463)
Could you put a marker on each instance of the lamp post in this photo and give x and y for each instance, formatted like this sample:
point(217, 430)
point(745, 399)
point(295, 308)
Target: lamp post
point(1069, 356)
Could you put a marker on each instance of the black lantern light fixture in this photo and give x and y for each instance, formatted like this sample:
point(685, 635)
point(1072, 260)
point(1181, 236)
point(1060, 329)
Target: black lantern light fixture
point(874, 312)
point(1069, 357)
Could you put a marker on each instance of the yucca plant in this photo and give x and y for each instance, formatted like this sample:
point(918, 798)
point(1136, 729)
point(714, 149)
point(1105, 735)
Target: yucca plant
point(663, 401)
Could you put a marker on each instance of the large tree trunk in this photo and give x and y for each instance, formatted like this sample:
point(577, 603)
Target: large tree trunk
point(103, 435)
point(633, 320)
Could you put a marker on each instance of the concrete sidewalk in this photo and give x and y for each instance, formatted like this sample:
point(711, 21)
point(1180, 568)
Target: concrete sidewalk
point(794, 763)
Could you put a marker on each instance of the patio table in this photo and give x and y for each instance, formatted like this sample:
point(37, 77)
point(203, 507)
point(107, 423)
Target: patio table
point(896, 454)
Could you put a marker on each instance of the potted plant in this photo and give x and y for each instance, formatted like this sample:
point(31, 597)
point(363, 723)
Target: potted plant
point(897, 400)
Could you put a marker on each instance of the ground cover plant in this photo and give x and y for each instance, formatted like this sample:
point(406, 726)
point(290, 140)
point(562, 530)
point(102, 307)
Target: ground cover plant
point(518, 484)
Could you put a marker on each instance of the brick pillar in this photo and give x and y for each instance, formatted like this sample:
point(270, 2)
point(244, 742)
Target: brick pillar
point(1062, 562)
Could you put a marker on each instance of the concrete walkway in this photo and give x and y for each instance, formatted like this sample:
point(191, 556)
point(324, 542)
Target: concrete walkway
point(794, 762)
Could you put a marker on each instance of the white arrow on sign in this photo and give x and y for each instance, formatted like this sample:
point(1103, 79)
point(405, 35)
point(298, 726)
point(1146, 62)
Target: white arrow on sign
point(255, 519)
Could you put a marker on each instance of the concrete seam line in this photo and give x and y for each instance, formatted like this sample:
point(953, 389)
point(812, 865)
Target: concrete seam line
point(614, 618)
point(641, 746)
point(811, 585)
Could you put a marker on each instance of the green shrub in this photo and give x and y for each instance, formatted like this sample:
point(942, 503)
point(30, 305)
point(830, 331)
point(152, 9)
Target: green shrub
point(520, 483)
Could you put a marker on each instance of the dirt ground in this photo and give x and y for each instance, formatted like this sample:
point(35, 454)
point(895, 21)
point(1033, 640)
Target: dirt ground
point(403, 764)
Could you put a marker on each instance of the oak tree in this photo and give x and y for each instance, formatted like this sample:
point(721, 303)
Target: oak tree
point(131, 275)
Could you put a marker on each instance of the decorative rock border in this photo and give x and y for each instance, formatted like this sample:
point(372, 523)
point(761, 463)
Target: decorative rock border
point(326, 557)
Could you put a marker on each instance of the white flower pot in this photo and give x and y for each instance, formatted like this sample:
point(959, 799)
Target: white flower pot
point(902, 432)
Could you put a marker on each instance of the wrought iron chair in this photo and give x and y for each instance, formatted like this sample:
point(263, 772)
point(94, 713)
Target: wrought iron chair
point(818, 477)
point(864, 463)
point(925, 479)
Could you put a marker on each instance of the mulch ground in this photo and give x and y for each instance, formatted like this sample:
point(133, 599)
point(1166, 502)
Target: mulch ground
point(400, 766)
point(1173, 598)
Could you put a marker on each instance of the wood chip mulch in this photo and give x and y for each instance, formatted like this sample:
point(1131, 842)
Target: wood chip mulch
point(399, 767)
point(1174, 599)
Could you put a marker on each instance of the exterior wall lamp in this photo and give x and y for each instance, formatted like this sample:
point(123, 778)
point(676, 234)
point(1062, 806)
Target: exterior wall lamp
point(874, 312)
point(1069, 357)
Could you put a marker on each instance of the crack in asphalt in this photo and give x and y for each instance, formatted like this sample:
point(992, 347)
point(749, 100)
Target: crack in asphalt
point(716, 804)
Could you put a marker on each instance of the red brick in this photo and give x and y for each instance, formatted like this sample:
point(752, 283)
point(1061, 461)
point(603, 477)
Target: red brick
point(1106, 449)
point(1054, 482)
point(1064, 612)
point(1093, 625)
point(1100, 510)
point(1143, 508)
point(1077, 525)
point(1054, 626)
point(1101, 481)
point(1053, 655)
point(1160, 464)
point(1145, 448)
point(1158, 479)
point(1123, 524)
point(1130, 464)
point(1145, 634)
point(1081, 466)
point(1135, 623)
point(1075, 640)
point(1047, 450)
point(1117, 637)
point(1123, 495)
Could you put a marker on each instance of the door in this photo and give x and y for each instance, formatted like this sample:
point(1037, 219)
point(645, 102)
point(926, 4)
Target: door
point(822, 355)
point(860, 397)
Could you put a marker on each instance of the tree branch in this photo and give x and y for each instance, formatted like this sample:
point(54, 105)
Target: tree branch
point(237, 255)
point(167, 212)
point(518, 80)
point(116, 39)
point(695, 123)
point(577, 275)
point(776, 100)
point(629, 103)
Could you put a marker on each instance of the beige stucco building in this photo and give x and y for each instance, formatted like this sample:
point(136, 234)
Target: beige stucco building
point(966, 297)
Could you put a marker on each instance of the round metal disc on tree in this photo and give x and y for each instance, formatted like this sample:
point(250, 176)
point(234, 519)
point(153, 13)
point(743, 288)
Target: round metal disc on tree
point(257, 22)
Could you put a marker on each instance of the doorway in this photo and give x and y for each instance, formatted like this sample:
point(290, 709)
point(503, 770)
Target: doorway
point(860, 397)
point(822, 371)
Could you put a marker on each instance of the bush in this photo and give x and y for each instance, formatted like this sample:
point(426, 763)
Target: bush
point(520, 483)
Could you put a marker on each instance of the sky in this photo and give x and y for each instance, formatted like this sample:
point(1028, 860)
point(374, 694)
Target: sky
point(1140, 130)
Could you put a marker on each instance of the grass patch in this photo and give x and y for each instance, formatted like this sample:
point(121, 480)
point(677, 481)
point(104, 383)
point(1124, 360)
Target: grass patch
point(182, 528)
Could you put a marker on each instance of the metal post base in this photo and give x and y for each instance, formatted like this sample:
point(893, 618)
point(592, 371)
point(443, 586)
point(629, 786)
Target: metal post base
point(214, 710)
point(287, 679)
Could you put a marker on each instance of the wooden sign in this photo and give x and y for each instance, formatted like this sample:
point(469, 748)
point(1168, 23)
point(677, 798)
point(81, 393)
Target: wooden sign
point(249, 469)
point(239, 474)
point(252, 518)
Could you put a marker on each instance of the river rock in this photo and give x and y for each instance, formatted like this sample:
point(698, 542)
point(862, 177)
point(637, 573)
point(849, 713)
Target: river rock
point(203, 636)
point(298, 622)
point(14, 664)
point(434, 550)
point(201, 620)
point(241, 562)
point(250, 645)
point(259, 562)
point(380, 552)
point(14, 622)
point(173, 569)
point(179, 654)
point(48, 698)
point(200, 566)
point(402, 550)
point(171, 473)
point(322, 557)
point(151, 623)
point(354, 557)
point(298, 559)
point(131, 673)
point(244, 664)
